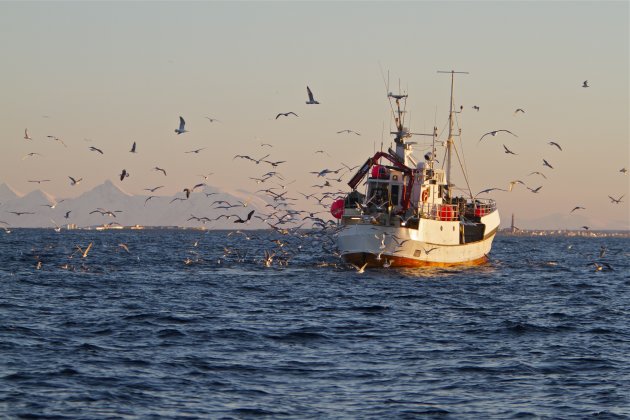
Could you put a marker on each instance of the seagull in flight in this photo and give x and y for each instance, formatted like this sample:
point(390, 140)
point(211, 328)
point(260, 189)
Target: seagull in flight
point(519, 110)
point(359, 269)
point(133, 148)
point(154, 189)
point(26, 136)
point(160, 169)
point(534, 190)
point(212, 119)
point(348, 131)
point(475, 107)
point(181, 128)
point(545, 163)
point(247, 219)
point(494, 133)
point(553, 143)
point(488, 190)
point(585, 84)
point(616, 200)
point(538, 173)
point(39, 181)
point(96, 149)
point(124, 174)
point(286, 114)
point(190, 190)
point(196, 150)
point(311, 99)
point(623, 171)
point(74, 181)
point(512, 183)
point(508, 151)
point(577, 208)
point(30, 155)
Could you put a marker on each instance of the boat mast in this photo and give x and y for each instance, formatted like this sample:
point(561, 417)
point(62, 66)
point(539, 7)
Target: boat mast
point(451, 125)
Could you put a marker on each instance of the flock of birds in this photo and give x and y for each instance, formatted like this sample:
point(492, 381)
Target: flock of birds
point(282, 217)
point(545, 164)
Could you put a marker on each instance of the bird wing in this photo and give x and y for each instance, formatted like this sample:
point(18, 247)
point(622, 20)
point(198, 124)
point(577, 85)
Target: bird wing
point(182, 123)
point(310, 94)
point(250, 214)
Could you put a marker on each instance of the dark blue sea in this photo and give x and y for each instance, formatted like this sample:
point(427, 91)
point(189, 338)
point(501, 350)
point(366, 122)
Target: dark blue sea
point(191, 324)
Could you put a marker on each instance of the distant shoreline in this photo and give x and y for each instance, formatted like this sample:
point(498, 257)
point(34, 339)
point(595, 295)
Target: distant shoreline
point(501, 233)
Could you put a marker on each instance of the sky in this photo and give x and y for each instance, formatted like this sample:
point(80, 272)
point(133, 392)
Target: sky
point(106, 74)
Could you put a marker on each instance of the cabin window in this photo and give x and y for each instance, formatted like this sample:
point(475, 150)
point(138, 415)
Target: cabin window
point(395, 194)
point(417, 253)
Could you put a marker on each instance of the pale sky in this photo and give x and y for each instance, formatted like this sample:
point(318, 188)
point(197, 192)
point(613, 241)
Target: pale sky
point(118, 72)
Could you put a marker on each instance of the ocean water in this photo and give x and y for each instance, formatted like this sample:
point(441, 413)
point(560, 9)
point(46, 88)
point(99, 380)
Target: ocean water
point(191, 324)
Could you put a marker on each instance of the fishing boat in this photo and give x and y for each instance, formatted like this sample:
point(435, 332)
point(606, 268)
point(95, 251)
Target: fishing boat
point(410, 214)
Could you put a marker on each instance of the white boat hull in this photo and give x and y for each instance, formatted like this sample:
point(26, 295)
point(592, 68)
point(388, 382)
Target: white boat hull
point(395, 246)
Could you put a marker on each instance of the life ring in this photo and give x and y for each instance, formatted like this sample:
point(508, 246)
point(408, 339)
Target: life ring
point(425, 194)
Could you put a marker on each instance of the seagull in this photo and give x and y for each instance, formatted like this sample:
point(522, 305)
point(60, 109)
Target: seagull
point(577, 208)
point(508, 151)
point(57, 227)
point(488, 190)
point(95, 149)
point(196, 150)
point(359, 269)
point(494, 133)
point(124, 174)
point(30, 155)
point(512, 183)
point(475, 107)
point(616, 200)
point(160, 169)
point(39, 181)
point(190, 190)
point(553, 143)
point(348, 131)
point(585, 84)
point(545, 163)
point(133, 148)
point(124, 246)
point(84, 253)
point(585, 227)
point(286, 114)
point(75, 181)
point(19, 213)
point(212, 119)
point(519, 110)
point(154, 189)
point(311, 99)
point(181, 128)
point(534, 190)
point(26, 136)
point(538, 173)
point(67, 216)
point(148, 198)
point(427, 251)
point(249, 216)
point(623, 171)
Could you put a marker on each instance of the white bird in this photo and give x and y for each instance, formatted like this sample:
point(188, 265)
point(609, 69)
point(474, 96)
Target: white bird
point(360, 269)
point(181, 128)
point(75, 181)
point(311, 99)
point(494, 133)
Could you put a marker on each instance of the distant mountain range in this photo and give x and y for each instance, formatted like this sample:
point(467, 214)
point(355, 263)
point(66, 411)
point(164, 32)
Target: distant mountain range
point(130, 210)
